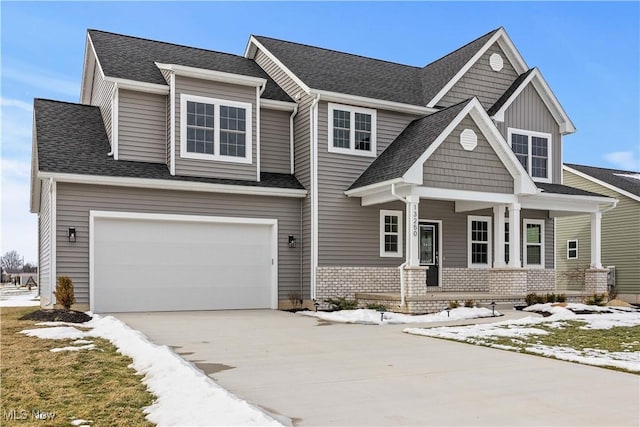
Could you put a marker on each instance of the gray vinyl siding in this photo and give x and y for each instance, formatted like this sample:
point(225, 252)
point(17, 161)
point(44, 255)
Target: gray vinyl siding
point(349, 234)
point(101, 94)
point(142, 135)
point(44, 240)
point(275, 145)
point(528, 112)
point(451, 166)
point(74, 202)
point(212, 168)
point(620, 238)
point(481, 81)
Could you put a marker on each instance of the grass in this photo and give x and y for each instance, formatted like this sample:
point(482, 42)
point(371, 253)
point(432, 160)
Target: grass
point(92, 385)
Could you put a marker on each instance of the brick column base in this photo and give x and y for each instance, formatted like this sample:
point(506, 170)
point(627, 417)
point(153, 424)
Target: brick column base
point(507, 281)
point(415, 281)
point(595, 281)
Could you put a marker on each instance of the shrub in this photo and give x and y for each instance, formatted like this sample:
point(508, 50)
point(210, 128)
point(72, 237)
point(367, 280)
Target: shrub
point(597, 299)
point(64, 292)
point(342, 303)
point(454, 304)
point(376, 306)
point(469, 303)
point(530, 299)
point(540, 299)
point(561, 298)
point(295, 299)
point(550, 298)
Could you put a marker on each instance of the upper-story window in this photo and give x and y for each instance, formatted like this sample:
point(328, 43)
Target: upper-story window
point(533, 150)
point(215, 129)
point(352, 130)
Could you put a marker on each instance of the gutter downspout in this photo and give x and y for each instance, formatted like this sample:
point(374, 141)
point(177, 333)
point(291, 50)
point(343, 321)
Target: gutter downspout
point(291, 148)
point(313, 123)
point(406, 261)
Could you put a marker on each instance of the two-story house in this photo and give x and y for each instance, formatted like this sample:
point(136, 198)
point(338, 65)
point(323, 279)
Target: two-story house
point(188, 179)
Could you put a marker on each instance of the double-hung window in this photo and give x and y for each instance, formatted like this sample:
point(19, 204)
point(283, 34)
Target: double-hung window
point(352, 130)
point(533, 232)
point(390, 233)
point(572, 249)
point(215, 129)
point(479, 240)
point(533, 151)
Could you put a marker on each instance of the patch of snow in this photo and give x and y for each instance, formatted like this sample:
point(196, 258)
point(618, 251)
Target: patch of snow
point(82, 342)
point(80, 325)
point(624, 360)
point(20, 299)
point(613, 320)
point(373, 317)
point(81, 423)
point(73, 348)
point(56, 333)
point(464, 333)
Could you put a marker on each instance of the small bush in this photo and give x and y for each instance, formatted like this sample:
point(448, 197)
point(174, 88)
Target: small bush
point(454, 304)
point(469, 303)
point(342, 303)
point(540, 299)
point(561, 298)
point(295, 299)
point(376, 306)
point(64, 292)
point(530, 299)
point(597, 299)
point(550, 297)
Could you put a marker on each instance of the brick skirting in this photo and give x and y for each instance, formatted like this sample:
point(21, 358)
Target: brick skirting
point(332, 282)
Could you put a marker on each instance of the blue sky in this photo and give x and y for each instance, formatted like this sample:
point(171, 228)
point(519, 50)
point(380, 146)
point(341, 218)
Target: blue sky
point(588, 53)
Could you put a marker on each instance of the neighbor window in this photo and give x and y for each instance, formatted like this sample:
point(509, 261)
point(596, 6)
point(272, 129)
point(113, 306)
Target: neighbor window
point(390, 233)
point(215, 129)
point(533, 151)
point(352, 130)
point(533, 231)
point(479, 240)
point(572, 249)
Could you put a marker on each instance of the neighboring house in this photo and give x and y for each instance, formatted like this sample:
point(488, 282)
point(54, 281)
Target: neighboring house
point(620, 231)
point(188, 179)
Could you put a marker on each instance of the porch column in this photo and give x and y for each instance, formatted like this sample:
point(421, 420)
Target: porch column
point(498, 236)
point(514, 235)
point(596, 229)
point(412, 233)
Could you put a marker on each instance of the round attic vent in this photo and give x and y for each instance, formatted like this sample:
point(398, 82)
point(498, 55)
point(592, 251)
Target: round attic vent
point(495, 61)
point(468, 139)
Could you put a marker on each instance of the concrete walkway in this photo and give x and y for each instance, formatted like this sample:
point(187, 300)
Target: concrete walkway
point(320, 374)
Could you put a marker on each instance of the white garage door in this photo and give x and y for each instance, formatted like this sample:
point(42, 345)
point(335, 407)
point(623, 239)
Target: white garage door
point(147, 262)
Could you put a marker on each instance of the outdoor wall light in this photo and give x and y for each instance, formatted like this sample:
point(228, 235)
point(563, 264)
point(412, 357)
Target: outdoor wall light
point(72, 234)
point(292, 241)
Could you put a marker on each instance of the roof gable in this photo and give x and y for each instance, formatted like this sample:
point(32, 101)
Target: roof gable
point(621, 181)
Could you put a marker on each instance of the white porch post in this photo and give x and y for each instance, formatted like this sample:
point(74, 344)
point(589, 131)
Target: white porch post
point(412, 233)
point(596, 229)
point(498, 236)
point(514, 235)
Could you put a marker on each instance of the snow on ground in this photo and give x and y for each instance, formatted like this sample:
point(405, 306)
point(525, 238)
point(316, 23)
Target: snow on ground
point(373, 317)
point(81, 423)
point(73, 348)
point(605, 318)
point(185, 395)
point(19, 298)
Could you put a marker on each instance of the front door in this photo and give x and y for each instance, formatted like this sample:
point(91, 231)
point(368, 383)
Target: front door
point(429, 251)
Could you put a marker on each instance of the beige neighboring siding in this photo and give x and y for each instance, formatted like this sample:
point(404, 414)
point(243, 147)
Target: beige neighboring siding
point(44, 240)
point(211, 168)
point(569, 276)
point(142, 134)
point(528, 112)
point(76, 200)
point(451, 166)
point(275, 145)
point(620, 237)
point(481, 81)
point(101, 95)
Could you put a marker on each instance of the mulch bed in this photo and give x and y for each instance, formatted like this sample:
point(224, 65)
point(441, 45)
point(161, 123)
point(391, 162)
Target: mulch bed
point(57, 315)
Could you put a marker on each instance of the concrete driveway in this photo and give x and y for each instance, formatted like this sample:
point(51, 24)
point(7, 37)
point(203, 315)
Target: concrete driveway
point(321, 374)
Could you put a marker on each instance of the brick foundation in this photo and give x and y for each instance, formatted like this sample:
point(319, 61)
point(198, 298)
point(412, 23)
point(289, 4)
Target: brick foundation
point(595, 281)
point(541, 280)
point(508, 281)
point(415, 279)
point(465, 280)
point(332, 282)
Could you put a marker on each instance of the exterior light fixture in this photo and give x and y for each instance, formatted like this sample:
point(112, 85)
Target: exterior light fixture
point(72, 234)
point(316, 304)
point(292, 241)
point(448, 309)
point(493, 308)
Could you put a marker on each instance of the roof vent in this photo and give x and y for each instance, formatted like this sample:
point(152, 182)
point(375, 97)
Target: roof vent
point(496, 62)
point(468, 139)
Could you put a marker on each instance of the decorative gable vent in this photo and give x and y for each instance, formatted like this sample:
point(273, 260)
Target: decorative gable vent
point(468, 139)
point(496, 62)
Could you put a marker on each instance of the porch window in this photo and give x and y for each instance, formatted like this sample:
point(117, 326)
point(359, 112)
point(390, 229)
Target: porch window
point(572, 249)
point(533, 151)
point(533, 232)
point(390, 233)
point(479, 240)
point(352, 130)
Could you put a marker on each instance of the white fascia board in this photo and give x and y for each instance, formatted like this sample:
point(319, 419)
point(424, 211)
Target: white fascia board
point(174, 185)
point(512, 53)
point(567, 203)
point(181, 217)
point(85, 66)
point(139, 86)
point(217, 76)
point(602, 183)
point(95, 55)
point(273, 104)
point(35, 186)
point(463, 195)
point(372, 188)
point(372, 102)
point(465, 206)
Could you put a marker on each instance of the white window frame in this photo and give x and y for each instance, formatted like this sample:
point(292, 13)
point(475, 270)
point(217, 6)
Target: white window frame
point(529, 134)
point(526, 244)
point(383, 252)
point(352, 131)
point(569, 249)
point(184, 98)
point(470, 242)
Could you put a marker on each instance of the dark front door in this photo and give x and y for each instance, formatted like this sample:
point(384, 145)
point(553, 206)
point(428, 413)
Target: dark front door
point(429, 238)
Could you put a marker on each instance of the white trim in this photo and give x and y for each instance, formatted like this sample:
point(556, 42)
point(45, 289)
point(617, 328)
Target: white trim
point(440, 257)
point(363, 191)
point(258, 92)
point(291, 141)
point(53, 245)
point(85, 72)
point(217, 103)
point(575, 249)
point(463, 195)
point(164, 184)
point(529, 134)
point(314, 194)
point(139, 86)
point(272, 104)
point(362, 101)
point(96, 214)
point(602, 183)
point(331, 107)
point(382, 233)
point(217, 76)
point(115, 109)
point(172, 122)
point(525, 243)
point(489, 242)
point(95, 55)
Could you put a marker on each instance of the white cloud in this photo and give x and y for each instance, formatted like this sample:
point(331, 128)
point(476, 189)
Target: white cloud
point(41, 79)
point(24, 106)
point(623, 160)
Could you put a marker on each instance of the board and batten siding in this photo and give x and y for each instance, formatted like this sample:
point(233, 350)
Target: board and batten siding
point(44, 240)
point(451, 166)
point(101, 96)
point(528, 112)
point(482, 81)
point(213, 168)
point(275, 145)
point(349, 234)
point(142, 134)
point(74, 202)
point(620, 237)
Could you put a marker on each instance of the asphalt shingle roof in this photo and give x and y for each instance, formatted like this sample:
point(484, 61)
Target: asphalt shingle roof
point(134, 58)
point(565, 189)
point(71, 139)
point(505, 96)
point(407, 148)
point(615, 177)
